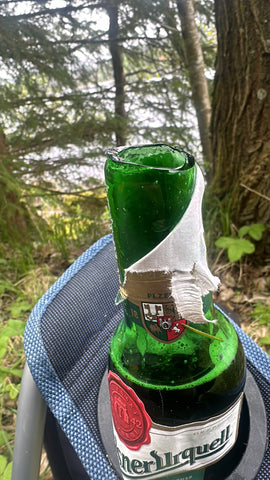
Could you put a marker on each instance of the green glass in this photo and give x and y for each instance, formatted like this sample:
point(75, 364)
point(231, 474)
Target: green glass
point(144, 185)
point(196, 377)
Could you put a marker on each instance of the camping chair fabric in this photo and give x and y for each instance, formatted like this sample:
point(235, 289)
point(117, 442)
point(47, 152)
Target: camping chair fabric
point(67, 340)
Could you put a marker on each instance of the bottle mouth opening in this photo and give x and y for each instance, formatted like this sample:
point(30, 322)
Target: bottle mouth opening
point(158, 156)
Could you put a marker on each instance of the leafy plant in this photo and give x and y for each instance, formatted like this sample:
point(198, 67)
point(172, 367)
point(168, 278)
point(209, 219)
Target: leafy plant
point(12, 358)
point(237, 246)
point(12, 329)
point(5, 468)
point(261, 314)
point(265, 341)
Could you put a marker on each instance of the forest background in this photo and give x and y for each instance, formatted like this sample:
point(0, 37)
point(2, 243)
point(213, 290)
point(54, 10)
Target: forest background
point(77, 77)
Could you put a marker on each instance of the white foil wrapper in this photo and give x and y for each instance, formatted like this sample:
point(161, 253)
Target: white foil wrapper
point(183, 254)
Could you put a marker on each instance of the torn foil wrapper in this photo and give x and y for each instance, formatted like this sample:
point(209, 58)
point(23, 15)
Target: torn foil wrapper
point(182, 254)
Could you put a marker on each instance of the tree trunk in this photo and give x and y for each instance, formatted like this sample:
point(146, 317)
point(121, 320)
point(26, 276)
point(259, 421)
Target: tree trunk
point(241, 110)
point(14, 218)
point(195, 66)
point(119, 77)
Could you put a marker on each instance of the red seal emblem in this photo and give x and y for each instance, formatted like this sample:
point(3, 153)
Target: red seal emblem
point(162, 321)
point(132, 423)
point(174, 329)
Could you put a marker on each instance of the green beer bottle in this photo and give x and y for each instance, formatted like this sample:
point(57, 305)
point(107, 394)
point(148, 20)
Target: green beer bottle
point(176, 366)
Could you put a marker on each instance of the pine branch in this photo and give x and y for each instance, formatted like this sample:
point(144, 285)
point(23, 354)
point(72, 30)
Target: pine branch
point(54, 98)
point(119, 39)
point(60, 10)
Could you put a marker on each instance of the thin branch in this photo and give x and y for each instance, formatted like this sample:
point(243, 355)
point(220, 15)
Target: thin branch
point(59, 192)
point(56, 98)
point(61, 10)
point(255, 191)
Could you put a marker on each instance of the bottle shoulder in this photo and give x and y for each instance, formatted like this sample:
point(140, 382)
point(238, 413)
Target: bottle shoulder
point(192, 360)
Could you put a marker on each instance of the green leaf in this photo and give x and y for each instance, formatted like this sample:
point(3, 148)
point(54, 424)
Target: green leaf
point(240, 248)
point(6, 286)
point(261, 313)
point(3, 344)
point(265, 341)
point(19, 307)
point(243, 231)
point(256, 230)
point(7, 472)
point(13, 328)
point(17, 326)
point(3, 464)
point(225, 242)
point(7, 371)
point(12, 391)
point(4, 438)
point(236, 247)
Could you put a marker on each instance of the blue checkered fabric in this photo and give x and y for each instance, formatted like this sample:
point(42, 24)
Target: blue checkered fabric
point(67, 339)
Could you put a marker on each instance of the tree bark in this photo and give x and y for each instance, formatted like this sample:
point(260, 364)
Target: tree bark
point(241, 110)
point(195, 66)
point(13, 214)
point(119, 77)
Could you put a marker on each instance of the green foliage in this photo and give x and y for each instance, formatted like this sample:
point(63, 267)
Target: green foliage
point(4, 438)
point(5, 468)
point(74, 222)
point(7, 286)
point(265, 341)
point(237, 246)
point(18, 259)
point(57, 108)
point(261, 314)
point(11, 354)
point(17, 309)
point(255, 231)
point(11, 329)
point(77, 220)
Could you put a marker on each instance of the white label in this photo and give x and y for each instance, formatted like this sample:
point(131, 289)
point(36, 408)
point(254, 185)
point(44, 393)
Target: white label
point(175, 450)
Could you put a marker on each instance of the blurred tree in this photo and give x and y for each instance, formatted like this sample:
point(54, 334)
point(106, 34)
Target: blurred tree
point(196, 68)
point(157, 71)
point(240, 122)
point(53, 88)
point(118, 72)
point(80, 77)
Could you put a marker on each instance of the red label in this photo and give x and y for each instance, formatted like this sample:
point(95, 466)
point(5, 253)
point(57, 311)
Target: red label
point(132, 423)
